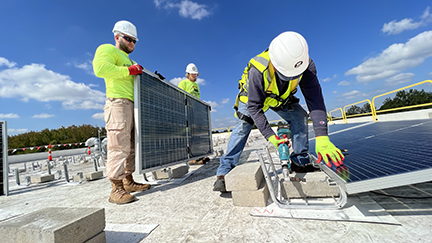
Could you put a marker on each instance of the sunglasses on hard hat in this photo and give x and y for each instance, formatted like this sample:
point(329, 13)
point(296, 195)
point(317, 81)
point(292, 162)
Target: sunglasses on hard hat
point(128, 39)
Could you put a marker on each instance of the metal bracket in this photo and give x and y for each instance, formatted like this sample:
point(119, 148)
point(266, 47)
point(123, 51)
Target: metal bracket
point(274, 185)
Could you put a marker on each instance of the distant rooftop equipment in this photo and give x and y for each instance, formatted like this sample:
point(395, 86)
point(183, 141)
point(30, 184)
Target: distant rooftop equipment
point(4, 186)
point(171, 126)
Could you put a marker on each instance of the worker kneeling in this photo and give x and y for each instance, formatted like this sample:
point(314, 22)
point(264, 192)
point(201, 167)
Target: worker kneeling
point(270, 81)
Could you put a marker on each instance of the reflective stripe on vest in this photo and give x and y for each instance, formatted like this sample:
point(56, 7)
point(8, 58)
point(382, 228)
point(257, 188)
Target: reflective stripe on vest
point(273, 99)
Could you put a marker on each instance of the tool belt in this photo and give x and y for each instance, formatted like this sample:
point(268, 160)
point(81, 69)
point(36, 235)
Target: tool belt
point(243, 117)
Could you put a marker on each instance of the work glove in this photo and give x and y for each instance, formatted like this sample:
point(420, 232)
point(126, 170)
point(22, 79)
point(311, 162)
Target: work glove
point(160, 75)
point(275, 140)
point(343, 172)
point(325, 150)
point(135, 69)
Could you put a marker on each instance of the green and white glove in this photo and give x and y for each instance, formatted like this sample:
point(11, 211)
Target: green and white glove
point(325, 150)
point(275, 140)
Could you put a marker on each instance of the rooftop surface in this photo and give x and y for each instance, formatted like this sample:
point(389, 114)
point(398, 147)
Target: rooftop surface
point(187, 210)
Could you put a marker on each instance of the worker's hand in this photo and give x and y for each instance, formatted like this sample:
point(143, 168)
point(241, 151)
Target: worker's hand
point(160, 75)
point(135, 69)
point(343, 172)
point(325, 150)
point(275, 140)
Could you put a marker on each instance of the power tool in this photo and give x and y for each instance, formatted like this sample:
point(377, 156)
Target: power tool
point(284, 131)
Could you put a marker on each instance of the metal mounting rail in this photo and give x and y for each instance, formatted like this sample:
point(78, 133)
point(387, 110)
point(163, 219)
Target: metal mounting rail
point(274, 185)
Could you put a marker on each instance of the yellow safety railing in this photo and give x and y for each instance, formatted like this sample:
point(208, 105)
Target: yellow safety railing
point(399, 108)
point(336, 118)
point(346, 117)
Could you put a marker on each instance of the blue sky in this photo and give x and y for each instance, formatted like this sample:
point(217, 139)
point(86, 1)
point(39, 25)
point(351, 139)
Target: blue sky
point(361, 49)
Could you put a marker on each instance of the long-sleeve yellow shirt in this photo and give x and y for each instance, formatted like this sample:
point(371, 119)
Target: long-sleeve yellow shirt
point(112, 64)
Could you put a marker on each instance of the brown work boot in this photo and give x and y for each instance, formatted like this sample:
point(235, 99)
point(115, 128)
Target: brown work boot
point(119, 194)
point(131, 186)
point(199, 161)
point(219, 185)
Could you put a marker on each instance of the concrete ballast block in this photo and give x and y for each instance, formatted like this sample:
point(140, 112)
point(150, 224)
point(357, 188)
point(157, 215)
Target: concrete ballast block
point(40, 179)
point(89, 176)
point(312, 184)
point(177, 171)
point(256, 198)
point(244, 177)
point(54, 225)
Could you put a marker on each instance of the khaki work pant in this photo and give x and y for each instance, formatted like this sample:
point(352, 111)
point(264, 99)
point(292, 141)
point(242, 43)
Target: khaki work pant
point(119, 119)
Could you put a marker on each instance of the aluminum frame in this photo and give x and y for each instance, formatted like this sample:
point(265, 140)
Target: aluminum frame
point(5, 157)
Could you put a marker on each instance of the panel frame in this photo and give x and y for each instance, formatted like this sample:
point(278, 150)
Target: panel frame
point(138, 130)
point(5, 158)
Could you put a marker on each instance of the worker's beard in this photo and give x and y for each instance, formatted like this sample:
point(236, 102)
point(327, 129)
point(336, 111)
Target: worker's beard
point(124, 47)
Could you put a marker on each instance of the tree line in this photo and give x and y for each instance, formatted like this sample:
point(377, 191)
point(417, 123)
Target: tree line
point(402, 99)
point(64, 135)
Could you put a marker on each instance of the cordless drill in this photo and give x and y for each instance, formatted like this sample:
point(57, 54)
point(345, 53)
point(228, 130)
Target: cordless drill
point(284, 131)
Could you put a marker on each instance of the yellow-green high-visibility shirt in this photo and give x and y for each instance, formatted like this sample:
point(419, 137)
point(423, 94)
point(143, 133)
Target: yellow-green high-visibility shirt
point(112, 64)
point(190, 87)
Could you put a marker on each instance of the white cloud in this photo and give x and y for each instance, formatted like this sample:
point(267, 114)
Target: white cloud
point(396, 27)
point(177, 80)
point(86, 66)
point(225, 101)
point(334, 92)
point(187, 9)
point(99, 116)
point(8, 116)
point(35, 82)
point(400, 79)
point(43, 115)
point(212, 104)
point(328, 79)
point(16, 131)
point(395, 59)
point(344, 83)
point(353, 94)
point(5, 62)
point(48, 106)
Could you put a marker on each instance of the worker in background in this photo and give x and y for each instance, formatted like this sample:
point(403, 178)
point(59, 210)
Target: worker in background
point(114, 65)
point(190, 85)
point(270, 81)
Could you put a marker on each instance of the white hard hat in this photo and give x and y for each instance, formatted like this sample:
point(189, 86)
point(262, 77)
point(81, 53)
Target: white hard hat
point(125, 27)
point(192, 68)
point(289, 54)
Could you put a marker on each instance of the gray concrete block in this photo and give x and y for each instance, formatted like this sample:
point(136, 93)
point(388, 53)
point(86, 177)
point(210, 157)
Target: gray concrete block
point(89, 176)
point(40, 179)
point(244, 177)
point(177, 171)
point(99, 238)
point(312, 184)
point(54, 225)
point(256, 198)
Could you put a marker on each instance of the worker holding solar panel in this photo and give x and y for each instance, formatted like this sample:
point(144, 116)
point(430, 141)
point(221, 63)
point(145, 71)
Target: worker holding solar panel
point(114, 65)
point(270, 81)
point(189, 84)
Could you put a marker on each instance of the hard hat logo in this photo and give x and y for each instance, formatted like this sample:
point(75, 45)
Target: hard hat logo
point(298, 64)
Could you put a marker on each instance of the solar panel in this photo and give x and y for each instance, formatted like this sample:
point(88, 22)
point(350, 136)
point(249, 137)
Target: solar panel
point(382, 154)
point(171, 125)
point(3, 159)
